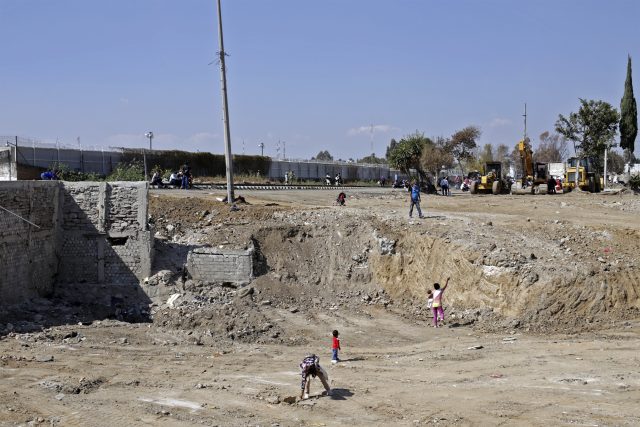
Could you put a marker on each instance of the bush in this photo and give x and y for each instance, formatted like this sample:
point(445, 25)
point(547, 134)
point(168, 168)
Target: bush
point(65, 173)
point(634, 182)
point(129, 171)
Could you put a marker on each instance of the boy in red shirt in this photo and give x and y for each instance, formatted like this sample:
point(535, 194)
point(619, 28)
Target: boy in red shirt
point(335, 347)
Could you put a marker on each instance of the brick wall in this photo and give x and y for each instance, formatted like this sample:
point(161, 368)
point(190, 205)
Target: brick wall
point(84, 232)
point(218, 265)
point(28, 262)
point(106, 237)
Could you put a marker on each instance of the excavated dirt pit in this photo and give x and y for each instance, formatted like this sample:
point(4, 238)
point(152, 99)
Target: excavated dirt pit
point(543, 315)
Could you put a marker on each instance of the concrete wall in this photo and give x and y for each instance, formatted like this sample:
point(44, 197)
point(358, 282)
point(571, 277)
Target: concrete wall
point(318, 170)
point(28, 263)
point(84, 232)
point(8, 166)
point(32, 160)
point(105, 235)
point(220, 265)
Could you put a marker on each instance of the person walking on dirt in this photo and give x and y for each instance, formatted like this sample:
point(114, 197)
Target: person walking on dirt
point(310, 367)
point(335, 347)
point(437, 302)
point(415, 200)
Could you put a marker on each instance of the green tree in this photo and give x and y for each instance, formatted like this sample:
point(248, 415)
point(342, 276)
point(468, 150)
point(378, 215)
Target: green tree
point(390, 147)
point(407, 153)
point(591, 128)
point(628, 115)
point(615, 162)
point(372, 159)
point(323, 155)
point(463, 144)
point(502, 155)
point(486, 155)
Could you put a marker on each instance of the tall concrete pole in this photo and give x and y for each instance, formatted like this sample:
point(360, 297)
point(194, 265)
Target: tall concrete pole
point(606, 149)
point(228, 159)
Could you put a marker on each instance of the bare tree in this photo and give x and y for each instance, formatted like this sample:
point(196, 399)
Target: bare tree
point(551, 148)
point(436, 155)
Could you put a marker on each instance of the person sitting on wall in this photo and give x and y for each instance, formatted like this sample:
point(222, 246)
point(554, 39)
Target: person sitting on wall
point(175, 179)
point(156, 179)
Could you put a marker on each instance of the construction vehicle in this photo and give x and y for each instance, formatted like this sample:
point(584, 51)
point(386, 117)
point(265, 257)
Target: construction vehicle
point(588, 179)
point(490, 181)
point(534, 175)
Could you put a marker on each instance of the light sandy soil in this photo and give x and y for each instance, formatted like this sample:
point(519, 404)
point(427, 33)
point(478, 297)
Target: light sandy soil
point(396, 369)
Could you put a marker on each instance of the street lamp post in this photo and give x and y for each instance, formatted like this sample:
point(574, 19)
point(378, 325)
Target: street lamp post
point(150, 136)
point(261, 145)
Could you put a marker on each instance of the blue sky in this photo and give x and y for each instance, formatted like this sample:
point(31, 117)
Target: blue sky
point(316, 74)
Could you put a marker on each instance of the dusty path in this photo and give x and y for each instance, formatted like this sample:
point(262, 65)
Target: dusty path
point(397, 369)
point(394, 373)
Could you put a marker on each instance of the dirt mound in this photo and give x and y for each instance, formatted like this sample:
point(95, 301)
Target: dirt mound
point(540, 273)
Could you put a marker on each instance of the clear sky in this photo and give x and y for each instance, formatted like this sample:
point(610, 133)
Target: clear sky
point(314, 73)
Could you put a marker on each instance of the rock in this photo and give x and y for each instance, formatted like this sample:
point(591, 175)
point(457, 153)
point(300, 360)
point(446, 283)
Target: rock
point(172, 300)
point(294, 310)
point(44, 358)
point(290, 400)
point(245, 291)
point(123, 340)
point(169, 228)
point(273, 400)
point(265, 302)
point(475, 347)
point(59, 396)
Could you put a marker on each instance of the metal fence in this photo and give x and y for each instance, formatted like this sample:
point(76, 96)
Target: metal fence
point(40, 154)
point(36, 153)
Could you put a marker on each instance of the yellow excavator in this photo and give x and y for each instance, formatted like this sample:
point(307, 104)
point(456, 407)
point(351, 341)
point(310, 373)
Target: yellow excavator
point(588, 179)
point(534, 175)
point(491, 181)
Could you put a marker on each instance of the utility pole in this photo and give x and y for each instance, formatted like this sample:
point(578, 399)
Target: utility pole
point(284, 150)
point(606, 149)
point(525, 121)
point(372, 138)
point(228, 160)
point(81, 156)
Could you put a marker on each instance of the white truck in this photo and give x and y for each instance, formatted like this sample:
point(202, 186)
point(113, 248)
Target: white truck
point(557, 170)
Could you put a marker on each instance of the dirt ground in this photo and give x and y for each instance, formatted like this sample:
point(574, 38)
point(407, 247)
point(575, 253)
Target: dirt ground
point(543, 318)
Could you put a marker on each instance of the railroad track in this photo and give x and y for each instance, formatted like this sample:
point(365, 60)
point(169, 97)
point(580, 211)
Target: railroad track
point(211, 186)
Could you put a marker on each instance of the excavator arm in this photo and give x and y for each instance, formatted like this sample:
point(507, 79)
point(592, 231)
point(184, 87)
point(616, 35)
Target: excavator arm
point(526, 157)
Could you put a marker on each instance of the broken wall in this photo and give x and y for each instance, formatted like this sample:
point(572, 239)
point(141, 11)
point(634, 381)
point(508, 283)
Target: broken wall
point(221, 265)
point(28, 229)
point(8, 166)
point(71, 232)
point(105, 235)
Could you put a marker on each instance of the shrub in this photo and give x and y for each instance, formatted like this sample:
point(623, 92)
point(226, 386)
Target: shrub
point(129, 171)
point(634, 182)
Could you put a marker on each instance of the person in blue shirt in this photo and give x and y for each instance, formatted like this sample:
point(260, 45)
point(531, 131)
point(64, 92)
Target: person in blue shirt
point(415, 199)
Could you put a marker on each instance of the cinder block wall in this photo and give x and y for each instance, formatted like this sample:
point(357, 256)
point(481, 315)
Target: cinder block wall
point(220, 265)
point(88, 232)
point(28, 263)
point(105, 235)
